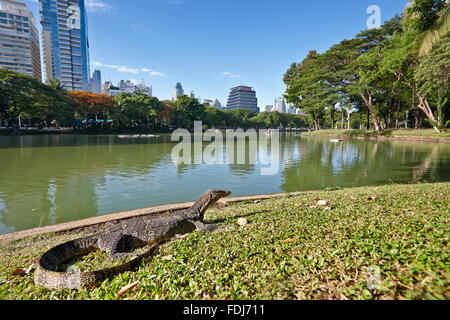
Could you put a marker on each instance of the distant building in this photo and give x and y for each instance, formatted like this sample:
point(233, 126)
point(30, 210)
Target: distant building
point(19, 39)
point(95, 82)
point(127, 87)
point(243, 97)
point(144, 87)
point(207, 101)
point(266, 108)
point(216, 103)
point(291, 109)
point(280, 105)
point(177, 92)
point(65, 42)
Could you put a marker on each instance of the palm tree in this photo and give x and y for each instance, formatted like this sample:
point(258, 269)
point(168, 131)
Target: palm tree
point(430, 19)
point(57, 85)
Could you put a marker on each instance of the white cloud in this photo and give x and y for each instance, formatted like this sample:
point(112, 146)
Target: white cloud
point(129, 69)
point(98, 6)
point(157, 74)
point(231, 75)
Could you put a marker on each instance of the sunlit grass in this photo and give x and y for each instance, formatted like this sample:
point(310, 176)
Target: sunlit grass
point(290, 249)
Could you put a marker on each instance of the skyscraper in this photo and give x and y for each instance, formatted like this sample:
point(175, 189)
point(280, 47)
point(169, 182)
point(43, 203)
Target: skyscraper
point(177, 92)
point(95, 82)
point(19, 39)
point(242, 97)
point(280, 105)
point(65, 42)
point(216, 103)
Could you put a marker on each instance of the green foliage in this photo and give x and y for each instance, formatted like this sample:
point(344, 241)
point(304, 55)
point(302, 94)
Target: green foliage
point(422, 15)
point(430, 19)
point(24, 95)
point(290, 249)
point(275, 119)
point(377, 73)
point(188, 110)
point(432, 77)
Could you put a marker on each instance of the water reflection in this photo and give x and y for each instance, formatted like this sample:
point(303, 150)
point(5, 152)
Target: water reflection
point(51, 179)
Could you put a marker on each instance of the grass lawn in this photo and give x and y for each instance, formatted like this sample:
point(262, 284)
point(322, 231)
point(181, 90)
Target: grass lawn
point(423, 133)
point(292, 248)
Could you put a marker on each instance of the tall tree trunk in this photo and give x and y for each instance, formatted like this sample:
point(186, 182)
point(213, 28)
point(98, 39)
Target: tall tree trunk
point(368, 101)
point(316, 121)
point(368, 119)
point(416, 118)
point(425, 107)
point(332, 118)
point(348, 120)
point(360, 120)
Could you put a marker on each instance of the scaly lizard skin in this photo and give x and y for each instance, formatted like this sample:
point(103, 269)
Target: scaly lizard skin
point(119, 240)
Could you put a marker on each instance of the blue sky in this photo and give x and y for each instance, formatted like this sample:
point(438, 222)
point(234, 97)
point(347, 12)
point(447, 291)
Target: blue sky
point(212, 45)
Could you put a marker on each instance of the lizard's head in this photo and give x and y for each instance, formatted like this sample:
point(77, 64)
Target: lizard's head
point(206, 200)
point(215, 195)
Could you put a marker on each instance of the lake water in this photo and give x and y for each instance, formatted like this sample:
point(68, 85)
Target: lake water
point(58, 178)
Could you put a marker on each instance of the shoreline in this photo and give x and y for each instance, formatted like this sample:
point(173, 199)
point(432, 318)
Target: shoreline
point(350, 135)
point(98, 223)
point(384, 138)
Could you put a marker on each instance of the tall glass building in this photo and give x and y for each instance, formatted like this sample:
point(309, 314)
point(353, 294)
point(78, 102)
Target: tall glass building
point(95, 82)
point(242, 97)
point(19, 39)
point(65, 42)
point(177, 92)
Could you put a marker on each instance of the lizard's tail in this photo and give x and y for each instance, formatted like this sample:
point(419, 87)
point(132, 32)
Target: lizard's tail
point(46, 275)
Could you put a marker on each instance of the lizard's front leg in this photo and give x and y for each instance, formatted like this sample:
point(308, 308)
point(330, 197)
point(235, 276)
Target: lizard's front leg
point(119, 247)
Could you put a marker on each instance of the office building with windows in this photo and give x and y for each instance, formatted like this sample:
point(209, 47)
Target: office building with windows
point(177, 92)
point(95, 82)
point(65, 42)
point(127, 86)
point(243, 97)
point(19, 39)
point(280, 105)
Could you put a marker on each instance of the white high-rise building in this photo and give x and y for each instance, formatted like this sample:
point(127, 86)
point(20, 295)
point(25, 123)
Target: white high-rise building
point(19, 39)
point(144, 87)
point(266, 108)
point(128, 86)
point(216, 103)
point(208, 102)
point(280, 105)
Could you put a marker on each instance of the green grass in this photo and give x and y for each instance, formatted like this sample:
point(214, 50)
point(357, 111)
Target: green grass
point(423, 133)
point(290, 249)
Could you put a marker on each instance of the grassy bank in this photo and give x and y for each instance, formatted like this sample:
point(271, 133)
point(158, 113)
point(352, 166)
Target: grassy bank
point(292, 248)
point(400, 133)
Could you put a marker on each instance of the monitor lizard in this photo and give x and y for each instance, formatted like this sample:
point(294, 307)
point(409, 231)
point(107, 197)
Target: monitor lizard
point(119, 239)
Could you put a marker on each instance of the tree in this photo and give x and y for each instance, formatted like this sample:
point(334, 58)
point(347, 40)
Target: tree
point(213, 117)
point(24, 95)
point(429, 18)
point(307, 88)
point(239, 118)
point(188, 110)
point(432, 78)
point(91, 104)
